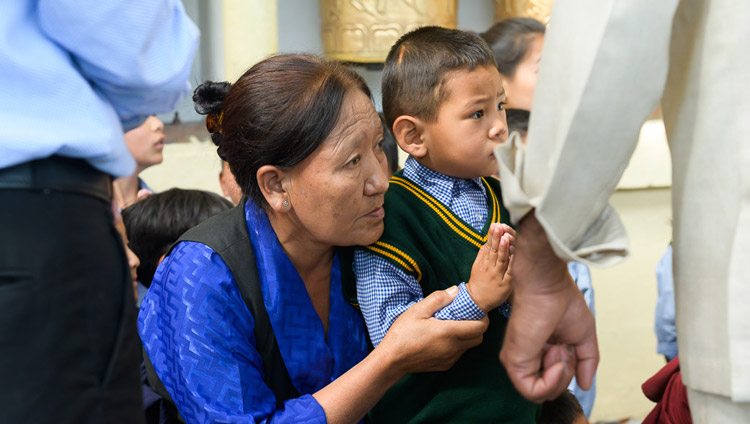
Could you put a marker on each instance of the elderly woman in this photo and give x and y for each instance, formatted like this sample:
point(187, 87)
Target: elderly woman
point(303, 139)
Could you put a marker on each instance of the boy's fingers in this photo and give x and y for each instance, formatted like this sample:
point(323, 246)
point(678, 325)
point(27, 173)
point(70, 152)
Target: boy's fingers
point(483, 252)
point(504, 251)
point(509, 269)
point(493, 239)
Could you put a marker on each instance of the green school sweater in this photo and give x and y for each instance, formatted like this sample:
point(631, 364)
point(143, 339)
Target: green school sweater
point(425, 239)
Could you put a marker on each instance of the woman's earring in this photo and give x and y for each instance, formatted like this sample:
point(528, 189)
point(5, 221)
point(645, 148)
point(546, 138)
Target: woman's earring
point(286, 203)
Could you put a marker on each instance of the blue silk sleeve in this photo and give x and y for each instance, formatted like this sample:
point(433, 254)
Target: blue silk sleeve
point(199, 336)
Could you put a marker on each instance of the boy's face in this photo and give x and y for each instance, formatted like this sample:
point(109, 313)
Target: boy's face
point(470, 123)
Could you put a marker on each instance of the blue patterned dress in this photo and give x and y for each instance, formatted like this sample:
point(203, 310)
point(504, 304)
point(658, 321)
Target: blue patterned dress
point(199, 335)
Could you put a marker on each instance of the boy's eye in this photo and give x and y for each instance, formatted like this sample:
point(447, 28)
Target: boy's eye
point(501, 106)
point(478, 114)
point(353, 162)
point(379, 146)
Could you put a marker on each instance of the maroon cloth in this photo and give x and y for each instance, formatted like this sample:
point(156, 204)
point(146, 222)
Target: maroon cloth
point(666, 389)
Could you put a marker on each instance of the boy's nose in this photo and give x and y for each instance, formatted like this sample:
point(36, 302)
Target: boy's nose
point(499, 129)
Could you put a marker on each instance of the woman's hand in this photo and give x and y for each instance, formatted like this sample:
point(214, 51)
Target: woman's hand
point(418, 342)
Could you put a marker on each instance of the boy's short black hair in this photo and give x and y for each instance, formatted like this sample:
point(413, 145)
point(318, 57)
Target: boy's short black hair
point(563, 410)
point(417, 65)
point(154, 223)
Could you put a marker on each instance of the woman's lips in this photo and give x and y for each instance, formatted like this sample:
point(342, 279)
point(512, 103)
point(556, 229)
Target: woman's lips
point(378, 213)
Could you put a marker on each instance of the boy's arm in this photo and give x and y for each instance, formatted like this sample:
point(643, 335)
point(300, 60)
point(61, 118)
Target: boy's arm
point(384, 292)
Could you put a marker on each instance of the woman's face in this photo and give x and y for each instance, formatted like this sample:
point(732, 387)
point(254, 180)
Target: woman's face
point(520, 87)
point(336, 193)
point(146, 142)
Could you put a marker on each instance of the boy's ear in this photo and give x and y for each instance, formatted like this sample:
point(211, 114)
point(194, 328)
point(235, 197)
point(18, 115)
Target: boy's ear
point(407, 130)
point(270, 180)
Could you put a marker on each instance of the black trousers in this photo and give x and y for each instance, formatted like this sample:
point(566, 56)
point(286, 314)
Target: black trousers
point(68, 342)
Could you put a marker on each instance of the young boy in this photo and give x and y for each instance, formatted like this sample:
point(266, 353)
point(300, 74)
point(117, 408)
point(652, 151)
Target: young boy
point(443, 98)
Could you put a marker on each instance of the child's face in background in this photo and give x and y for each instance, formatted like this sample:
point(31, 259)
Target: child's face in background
point(520, 87)
point(146, 142)
point(470, 123)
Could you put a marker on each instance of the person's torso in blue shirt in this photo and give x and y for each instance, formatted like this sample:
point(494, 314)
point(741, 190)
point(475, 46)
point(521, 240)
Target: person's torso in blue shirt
point(76, 73)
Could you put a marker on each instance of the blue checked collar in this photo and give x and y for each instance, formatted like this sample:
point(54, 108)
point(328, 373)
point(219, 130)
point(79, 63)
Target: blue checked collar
point(442, 187)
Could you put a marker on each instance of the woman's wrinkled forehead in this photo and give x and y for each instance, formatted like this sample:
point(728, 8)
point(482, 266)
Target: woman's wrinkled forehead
point(357, 117)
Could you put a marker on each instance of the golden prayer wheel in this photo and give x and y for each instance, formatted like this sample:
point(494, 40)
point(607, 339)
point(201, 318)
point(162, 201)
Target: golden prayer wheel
point(537, 9)
point(364, 30)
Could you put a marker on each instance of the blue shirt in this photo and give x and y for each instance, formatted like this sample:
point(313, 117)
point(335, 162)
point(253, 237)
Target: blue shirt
point(384, 291)
point(582, 277)
point(77, 73)
point(199, 334)
point(664, 322)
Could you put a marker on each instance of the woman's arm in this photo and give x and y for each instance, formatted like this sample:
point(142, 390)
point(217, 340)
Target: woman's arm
point(417, 342)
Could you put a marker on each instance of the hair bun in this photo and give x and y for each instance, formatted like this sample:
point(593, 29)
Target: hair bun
point(208, 98)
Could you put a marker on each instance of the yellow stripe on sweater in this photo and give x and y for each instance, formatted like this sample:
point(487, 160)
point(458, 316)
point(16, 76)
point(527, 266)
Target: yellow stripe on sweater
point(403, 256)
point(398, 260)
point(444, 213)
point(471, 238)
point(496, 211)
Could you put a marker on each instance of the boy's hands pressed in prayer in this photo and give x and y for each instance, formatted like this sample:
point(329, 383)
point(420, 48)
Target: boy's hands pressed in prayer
point(489, 284)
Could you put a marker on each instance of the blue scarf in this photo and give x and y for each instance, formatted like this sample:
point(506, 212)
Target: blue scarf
point(312, 359)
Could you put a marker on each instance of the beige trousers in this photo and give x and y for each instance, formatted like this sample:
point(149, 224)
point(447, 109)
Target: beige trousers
point(605, 66)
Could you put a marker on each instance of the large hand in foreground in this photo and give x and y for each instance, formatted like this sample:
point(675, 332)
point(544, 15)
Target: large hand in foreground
point(548, 310)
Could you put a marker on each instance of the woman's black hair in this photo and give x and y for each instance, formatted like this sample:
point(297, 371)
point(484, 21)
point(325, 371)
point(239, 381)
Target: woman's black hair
point(509, 40)
point(277, 113)
point(154, 223)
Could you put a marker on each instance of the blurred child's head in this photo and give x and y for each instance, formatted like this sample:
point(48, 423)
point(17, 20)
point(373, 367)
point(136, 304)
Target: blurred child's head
point(154, 223)
point(518, 120)
point(390, 148)
point(563, 410)
point(517, 46)
point(443, 99)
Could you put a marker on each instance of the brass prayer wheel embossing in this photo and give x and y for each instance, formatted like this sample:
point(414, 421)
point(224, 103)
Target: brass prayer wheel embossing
point(364, 30)
point(537, 9)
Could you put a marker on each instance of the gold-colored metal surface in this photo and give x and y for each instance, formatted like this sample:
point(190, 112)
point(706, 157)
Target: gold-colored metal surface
point(537, 9)
point(364, 30)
